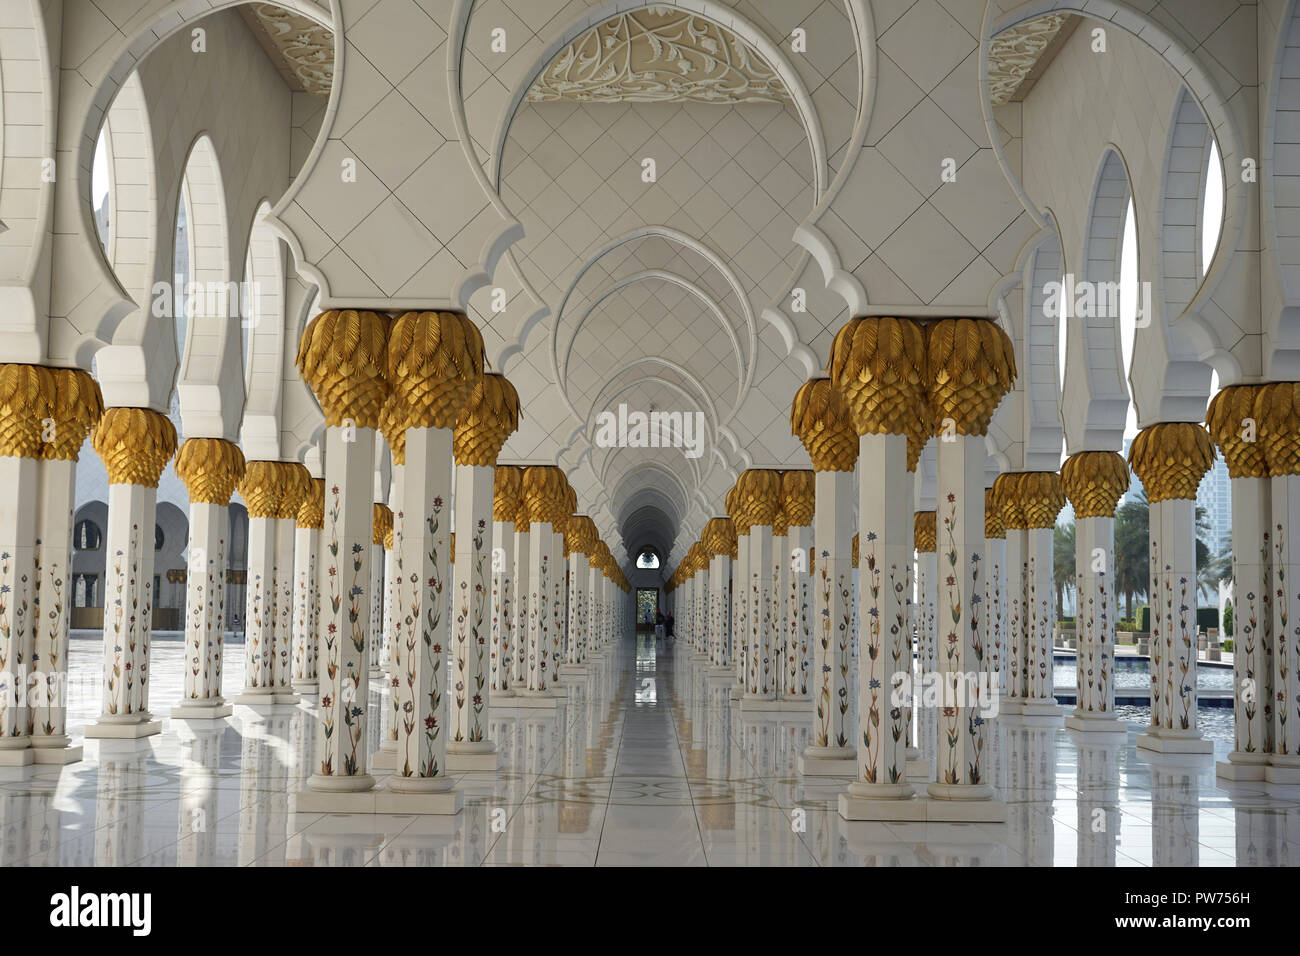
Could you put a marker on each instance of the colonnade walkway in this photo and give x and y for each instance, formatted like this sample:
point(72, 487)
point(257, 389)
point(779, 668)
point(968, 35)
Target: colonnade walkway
point(647, 762)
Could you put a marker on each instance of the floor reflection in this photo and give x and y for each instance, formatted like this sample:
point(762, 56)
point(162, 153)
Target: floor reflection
point(648, 761)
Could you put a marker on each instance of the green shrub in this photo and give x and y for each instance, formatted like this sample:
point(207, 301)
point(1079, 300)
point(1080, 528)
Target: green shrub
point(1227, 619)
point(1227, 645)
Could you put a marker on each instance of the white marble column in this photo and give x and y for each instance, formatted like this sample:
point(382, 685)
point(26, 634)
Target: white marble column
point(1235, 428)
point(1252, 647)
point(1016, 656)
point(381, 524)
point(210, 468)
point(135, 445)
point(19, 479)
point(579, 575)
point(1094, 482)
point(396, 494)
point(260, 488)
point(49, 715)
point(884, 550)
point(780, 566)
point(419, 650)
point(285, 564)
point(306, 594)
point(504, 505)
point(1171, 459)
point(961, 768)
point(544, 494)
point(1042, 499)
point(759, 671)
point(740, 596)
point(801, 563)
point(926, 719)
point(833, 750)
point(520, 609)
point(470, 747)
point(995, 596)
point(1284, 505)
point(341, 762)
point(720, 608)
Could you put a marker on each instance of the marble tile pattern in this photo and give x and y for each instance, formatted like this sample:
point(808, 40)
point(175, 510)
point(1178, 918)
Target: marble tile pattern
point(647, 763)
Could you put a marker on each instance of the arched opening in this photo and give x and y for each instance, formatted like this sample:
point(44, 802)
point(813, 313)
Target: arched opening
point(1128, 303)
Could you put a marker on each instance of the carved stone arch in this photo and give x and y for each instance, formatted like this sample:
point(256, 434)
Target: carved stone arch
point(98, 62)
point(132, 191)
point(266, 335)
point(209, 384)
point(1280, 179)
point(1097, 394)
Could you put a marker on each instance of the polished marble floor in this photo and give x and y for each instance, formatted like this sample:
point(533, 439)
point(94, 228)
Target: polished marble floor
point(648, 762)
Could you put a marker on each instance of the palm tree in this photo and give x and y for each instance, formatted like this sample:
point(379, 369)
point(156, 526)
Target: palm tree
point(1133, 554)
point(1062, 564)
point(1132, 550)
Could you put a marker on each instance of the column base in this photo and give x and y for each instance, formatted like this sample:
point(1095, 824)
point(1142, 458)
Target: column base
point(308, 688)
point(481, 757)
point(1009, 706)
point(115, 728)
point(737, 693)
point(573, 670)
point(907, 810)
point(766, 704)
point(385, 758)
point(498, 694)
point(1090, 722)
point(1242, 765)
point(1283, 769)
point(828, 762)
point(18, 757)
point(202, 710)
point(319, 783)
point(286, 698)
point(255, 698)
point(529, 700)
point(719, 672)
point(1174, 742)
point(1034, 713)
point(56, 755)
point(383, 800)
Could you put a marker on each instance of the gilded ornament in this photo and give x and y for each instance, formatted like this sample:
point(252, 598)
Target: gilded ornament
point(135, 445)
point(27, 403)
point(210, 468)
point(1094, 481)
point(341, 357)
point(878, 363)
point(489, 418)
point(993, 526)
point(758, 493)
point(311, 513)
point(78, 407)
point(381, 523)
point(1231, 417)
point(544, 493)
point(971, 365)
point(1277, 411)
point(924, 531)
point(1041, 497)
point(820, 419)
point(434, 361)
point(1008, 501)
point(507, 482)
point(1170, 459)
